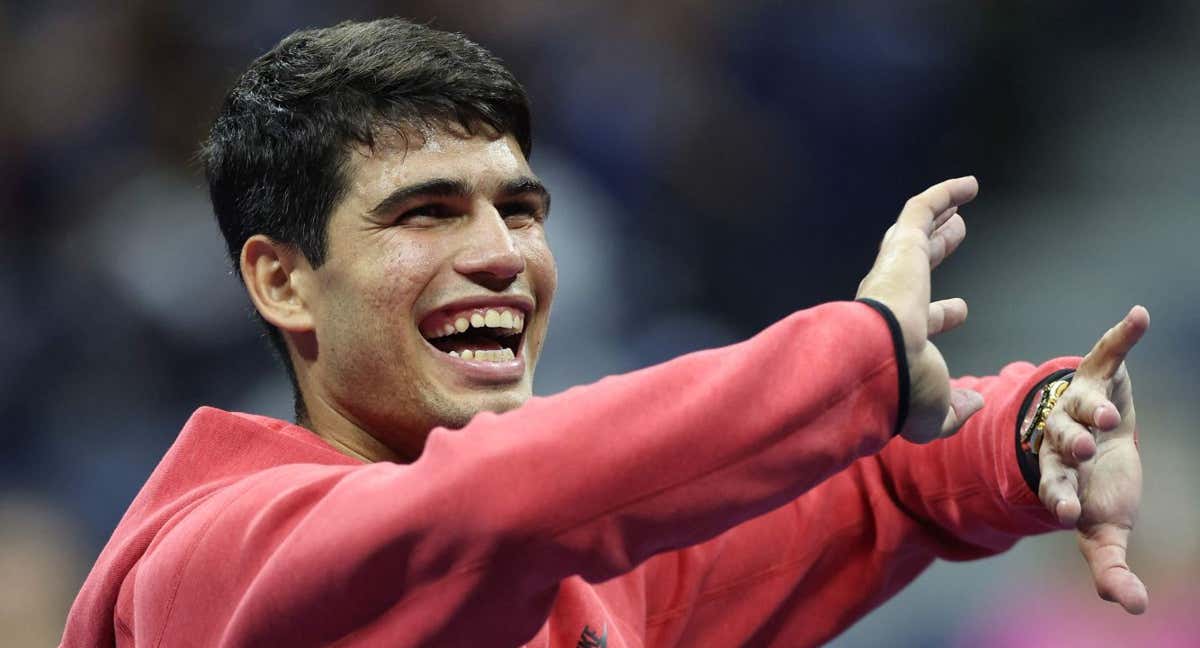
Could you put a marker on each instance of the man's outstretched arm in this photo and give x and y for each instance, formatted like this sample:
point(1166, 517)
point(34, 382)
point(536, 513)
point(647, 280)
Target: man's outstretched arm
point(475, 536)
point(802, 574)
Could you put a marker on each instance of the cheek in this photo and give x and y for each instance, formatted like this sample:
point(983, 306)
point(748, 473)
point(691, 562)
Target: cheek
point(542, 274)
point(540, 264)
point(375, 299)
point(395, 280)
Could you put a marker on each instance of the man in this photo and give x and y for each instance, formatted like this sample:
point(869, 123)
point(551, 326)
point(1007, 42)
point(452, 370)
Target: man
point(373, 186)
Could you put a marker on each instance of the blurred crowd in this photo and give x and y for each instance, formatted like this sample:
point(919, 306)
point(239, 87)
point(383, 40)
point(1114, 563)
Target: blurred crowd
point(715, 166)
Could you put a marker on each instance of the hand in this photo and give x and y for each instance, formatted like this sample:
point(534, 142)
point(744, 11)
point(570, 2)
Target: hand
point(928, 230)
point(1091, 473)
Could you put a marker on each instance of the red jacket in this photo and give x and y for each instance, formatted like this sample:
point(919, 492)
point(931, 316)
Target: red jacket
point(741, 496)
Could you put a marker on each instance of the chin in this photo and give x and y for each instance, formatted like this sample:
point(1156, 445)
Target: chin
point(470, 406)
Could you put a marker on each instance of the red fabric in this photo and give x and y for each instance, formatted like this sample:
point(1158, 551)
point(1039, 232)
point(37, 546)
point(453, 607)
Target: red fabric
point(729, 497)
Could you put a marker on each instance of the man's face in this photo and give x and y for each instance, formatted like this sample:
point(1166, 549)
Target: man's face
point(433, 301)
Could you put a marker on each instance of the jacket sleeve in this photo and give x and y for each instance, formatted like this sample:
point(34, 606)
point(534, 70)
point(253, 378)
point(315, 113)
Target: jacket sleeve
point(591, 482)
point(802, 574)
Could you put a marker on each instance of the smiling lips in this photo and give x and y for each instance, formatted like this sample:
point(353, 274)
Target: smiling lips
point(483, 334)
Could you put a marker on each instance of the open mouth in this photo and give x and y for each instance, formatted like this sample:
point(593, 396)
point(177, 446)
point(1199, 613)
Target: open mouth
point(483, 334)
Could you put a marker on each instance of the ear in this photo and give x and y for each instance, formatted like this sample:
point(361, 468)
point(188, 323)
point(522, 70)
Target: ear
point(276, 275)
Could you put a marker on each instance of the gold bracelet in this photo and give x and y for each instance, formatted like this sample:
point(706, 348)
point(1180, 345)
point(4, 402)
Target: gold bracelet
point(1031, 438)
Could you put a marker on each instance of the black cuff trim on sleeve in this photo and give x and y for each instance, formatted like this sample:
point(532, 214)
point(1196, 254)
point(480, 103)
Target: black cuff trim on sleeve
point(1027, 461)
point(901, 360)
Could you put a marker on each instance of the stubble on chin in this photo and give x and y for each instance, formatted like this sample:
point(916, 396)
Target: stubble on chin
point(457, 415)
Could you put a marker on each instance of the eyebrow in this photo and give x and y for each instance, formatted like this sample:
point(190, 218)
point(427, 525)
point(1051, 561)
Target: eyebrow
point(524, 186)
point(451, 188)
point(436, 188)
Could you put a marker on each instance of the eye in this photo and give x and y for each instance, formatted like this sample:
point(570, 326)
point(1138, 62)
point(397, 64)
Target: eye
point(426, 215)
point(521, 213)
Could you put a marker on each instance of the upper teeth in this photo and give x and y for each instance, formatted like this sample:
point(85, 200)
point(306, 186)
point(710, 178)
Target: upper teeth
point(509, 319)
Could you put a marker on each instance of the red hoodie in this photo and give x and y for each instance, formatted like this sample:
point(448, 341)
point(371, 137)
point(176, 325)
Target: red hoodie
point(741, 496)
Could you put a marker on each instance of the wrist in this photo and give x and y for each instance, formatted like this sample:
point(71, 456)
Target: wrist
point(1030, 425)
point(904, 388)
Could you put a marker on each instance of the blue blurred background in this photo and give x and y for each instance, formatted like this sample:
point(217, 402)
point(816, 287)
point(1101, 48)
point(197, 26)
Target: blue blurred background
point(715, 166)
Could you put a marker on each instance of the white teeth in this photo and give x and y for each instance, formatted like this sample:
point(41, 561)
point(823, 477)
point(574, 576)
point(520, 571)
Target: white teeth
point(505, 318)
point(500, 355)
point(486, 355)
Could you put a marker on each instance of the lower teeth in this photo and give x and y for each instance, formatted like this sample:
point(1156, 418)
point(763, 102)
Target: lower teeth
point(499, 355)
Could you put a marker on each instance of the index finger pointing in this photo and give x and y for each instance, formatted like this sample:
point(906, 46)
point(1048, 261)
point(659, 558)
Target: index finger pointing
point(922, 209)
point(1106, 357)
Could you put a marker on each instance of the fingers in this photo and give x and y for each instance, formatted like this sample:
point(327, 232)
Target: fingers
point(1089, 406)
point(1059, 488)
point(946, 239)
point(963, 404)
point(1104, 549)
point(922, 209)
point(943, 217)
point(946, 315)
point(905, 255)
point(1106, 357)
point(1069, 438)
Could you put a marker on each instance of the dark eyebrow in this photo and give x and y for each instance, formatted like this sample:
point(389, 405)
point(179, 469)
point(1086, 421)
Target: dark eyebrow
point(436, 188)
point(448, 188)
point(527, 185)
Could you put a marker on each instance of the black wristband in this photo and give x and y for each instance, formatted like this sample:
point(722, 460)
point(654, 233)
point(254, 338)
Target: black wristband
point(1028, 461)
point(901, 359)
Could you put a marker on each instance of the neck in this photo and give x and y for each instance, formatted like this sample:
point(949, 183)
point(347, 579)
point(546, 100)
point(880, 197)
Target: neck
point(343, 434)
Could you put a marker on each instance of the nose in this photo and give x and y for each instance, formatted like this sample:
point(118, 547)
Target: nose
point(490, 257)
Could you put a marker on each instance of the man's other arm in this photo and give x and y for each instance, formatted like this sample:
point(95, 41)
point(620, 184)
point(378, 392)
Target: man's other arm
point(802, 574)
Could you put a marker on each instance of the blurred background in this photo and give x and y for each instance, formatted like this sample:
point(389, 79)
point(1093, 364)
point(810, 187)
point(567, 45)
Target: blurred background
point(716, 165)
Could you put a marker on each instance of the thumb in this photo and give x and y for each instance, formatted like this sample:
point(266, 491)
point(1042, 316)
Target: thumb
point(963, 404)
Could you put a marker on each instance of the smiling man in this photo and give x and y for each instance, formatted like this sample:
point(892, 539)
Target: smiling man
point(372, 183)
point(431, 300)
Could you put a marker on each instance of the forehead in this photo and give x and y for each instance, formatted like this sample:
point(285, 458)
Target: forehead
point(399, 159)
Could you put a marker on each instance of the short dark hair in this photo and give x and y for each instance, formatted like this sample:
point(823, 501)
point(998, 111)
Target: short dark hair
point(276, 156)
